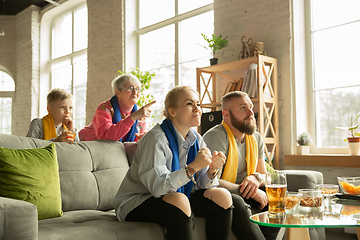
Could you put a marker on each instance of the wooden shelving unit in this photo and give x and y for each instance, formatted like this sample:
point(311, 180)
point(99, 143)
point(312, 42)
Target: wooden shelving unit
point(266, 103)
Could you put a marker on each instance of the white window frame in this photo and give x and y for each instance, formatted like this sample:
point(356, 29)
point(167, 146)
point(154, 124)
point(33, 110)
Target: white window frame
point(8, 94)
point(303, 73)
point(133, 33)
point(47, 21)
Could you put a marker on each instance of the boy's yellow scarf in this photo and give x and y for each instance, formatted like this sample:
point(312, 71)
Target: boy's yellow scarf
point(251, 158)
point(49, 127)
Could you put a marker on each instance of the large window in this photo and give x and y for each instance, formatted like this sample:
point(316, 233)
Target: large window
point(68, 63)
point(169, 37)
point(335, 34)
point(7, 88)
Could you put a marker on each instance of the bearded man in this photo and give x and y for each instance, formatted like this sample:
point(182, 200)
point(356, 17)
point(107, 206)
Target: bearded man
point(243, 172)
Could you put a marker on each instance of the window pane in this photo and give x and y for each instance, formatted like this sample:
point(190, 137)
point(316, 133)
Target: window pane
point(62, 78)
point(5, 115)
point(159, 87)
point(157, 48)
point(80, 29)
point(327, 13)
point(334, 108)
point(188, 71)
point(62, 36)
point(329, 72)
point(191, 39)
point(80, 75)
point(6, 82)
point(155, 11)
point(188, 5)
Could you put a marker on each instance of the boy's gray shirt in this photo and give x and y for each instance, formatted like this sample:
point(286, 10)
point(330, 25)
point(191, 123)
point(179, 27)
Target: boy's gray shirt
point(216, 139)
point(36, 130)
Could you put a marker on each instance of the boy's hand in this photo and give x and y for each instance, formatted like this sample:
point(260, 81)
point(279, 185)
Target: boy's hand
point(63, 137)
point(69, 123)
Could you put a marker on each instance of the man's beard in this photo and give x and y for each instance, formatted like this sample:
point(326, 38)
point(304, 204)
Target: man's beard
point(242, 126)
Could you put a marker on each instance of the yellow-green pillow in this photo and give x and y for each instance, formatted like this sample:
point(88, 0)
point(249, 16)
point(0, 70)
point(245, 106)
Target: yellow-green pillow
point(32, 175)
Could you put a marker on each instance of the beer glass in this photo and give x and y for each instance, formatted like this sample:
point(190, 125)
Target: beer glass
point(275, 185)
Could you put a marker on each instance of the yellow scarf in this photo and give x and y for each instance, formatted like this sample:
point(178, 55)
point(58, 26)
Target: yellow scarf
point(251, 158)
point(49, 127)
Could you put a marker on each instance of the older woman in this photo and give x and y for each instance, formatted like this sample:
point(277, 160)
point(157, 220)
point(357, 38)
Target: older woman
point(172, 160)
point(116, 118)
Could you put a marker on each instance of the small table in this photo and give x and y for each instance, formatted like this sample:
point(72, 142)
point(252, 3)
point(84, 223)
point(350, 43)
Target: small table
point(345, 213)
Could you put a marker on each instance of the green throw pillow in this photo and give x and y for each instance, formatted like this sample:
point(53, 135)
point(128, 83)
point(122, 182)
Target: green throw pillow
point(32, 175)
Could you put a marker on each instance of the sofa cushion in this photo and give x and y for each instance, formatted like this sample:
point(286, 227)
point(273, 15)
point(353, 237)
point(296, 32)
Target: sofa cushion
point(90, 172)
point(18, 220)
point(32, 175)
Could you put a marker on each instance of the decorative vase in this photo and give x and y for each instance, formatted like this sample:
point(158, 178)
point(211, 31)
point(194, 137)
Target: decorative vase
point(303, 150)
point(213, 61)
point(354, 145)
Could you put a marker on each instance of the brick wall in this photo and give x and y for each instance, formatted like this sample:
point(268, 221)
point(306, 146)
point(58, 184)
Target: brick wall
point(7, 44)
point(267, 22)
point(105, 49)
point(25, 103)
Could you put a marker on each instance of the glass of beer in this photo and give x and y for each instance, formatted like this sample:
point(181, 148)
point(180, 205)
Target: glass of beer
point(275, 184)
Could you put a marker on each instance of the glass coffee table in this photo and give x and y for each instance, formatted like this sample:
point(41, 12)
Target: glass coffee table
point(344, 213)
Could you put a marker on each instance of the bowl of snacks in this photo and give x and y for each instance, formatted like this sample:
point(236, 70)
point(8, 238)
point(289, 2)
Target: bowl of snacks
point(349, 185)
point(328, 189)
point(310, 198)
point(292, 200)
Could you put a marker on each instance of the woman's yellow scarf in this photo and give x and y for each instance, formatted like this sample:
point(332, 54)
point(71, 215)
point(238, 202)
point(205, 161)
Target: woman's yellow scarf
point(251, 158)
point(49, 129)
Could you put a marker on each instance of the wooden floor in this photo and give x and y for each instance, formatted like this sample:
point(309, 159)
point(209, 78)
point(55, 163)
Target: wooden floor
point(338, 234)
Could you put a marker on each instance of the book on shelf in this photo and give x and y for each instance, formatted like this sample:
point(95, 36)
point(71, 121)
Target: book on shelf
point(239, 84)
point(252, 81)
point(245, 85)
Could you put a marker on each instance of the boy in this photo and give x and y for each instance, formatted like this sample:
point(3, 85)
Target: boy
point(58, 125)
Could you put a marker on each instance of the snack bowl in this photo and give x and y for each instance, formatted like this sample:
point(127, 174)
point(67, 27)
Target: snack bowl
point(292, 200)
point(310, 198)
point(328, 189)
point(349, 185)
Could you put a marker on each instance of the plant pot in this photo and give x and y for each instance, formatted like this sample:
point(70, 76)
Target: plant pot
point(213, 61)
point(302, 150)
point(354, 145)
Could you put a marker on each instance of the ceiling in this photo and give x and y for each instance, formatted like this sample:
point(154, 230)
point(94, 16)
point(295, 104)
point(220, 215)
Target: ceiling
point(13, 7)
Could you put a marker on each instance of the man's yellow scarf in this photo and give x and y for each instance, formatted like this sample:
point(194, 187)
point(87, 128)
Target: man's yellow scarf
point(251, 158)
point(49, 127)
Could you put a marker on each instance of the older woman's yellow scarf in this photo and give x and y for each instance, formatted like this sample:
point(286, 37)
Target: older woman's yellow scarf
point(49, 127)
point(251, 158)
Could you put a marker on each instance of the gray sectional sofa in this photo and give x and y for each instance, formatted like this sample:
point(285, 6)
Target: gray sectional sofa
point(90, 175)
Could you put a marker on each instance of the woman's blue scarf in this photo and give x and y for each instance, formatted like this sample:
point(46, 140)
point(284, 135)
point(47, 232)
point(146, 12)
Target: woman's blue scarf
point(130, 136)
point(170, 133)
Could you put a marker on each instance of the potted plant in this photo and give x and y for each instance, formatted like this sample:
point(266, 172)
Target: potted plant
point(214, 44)
point(304, 141)
point(354, 140)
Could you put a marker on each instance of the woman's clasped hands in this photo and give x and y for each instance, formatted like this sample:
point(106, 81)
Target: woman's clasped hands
point(204, 159)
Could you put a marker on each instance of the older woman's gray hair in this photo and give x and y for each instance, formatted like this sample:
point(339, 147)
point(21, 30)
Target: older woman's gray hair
point(119, 82)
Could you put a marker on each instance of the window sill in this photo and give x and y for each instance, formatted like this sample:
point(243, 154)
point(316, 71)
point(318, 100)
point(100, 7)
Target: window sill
point(322, 160)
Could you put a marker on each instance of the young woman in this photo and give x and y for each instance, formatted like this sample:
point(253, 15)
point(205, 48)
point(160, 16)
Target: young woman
point(173, 175)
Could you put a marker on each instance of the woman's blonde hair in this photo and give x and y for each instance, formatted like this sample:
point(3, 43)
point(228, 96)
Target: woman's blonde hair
point(172, 97)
